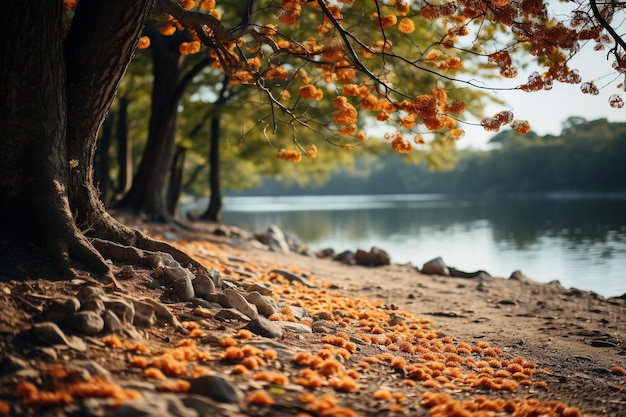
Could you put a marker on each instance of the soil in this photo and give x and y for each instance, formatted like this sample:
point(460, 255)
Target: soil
point(405, 343)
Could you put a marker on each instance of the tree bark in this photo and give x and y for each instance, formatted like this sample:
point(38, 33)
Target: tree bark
point(213, 213)
point(103, 162)
point(148, 194)
point(124, 149)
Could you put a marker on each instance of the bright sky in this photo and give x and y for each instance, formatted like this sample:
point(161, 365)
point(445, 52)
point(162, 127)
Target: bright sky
point(546, 110)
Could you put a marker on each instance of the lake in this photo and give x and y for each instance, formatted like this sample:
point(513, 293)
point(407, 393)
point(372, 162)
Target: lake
point(579, 241)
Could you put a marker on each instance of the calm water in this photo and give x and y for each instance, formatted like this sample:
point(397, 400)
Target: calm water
point(579, 241)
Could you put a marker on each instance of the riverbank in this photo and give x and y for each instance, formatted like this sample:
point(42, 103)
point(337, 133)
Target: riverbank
point(350, 340)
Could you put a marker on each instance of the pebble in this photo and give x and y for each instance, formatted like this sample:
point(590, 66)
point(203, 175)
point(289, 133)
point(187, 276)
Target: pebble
point(435, 266)
point(87, 322)
point(261, 289)
point(227, 314)
point(144, 313)
point(217, 388)
point(11, 363)
point(123, 308)
point(182, 289)
point(237, 301)
point(291, 277)
point(264, 327)
point(295, 327)
point(276, 239)
point(51, 334)
point(112, 323)
point(203, 285)
point(375, 257)
point(154, 405)
point(264, 306)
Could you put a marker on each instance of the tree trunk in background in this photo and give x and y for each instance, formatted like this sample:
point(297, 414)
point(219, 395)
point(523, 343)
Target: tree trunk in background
point(124, 149)
point(176, 180)
point(214, 211)
point(148, 193)
point(103, 165)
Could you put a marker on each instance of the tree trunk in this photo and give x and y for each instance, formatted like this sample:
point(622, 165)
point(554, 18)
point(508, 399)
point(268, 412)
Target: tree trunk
point(176, 180)
point(124, 149)
point(214, 211)
point(148, 194)
point(103, 165)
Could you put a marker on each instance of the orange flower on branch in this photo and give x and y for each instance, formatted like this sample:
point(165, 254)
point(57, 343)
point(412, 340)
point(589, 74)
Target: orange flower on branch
point(144, 42)
point(188, 48)
point(290, 155)
point(188, 4)
point(384, 22)
point(399, 145)
point(346, 113)
point(406, 26)
point(311, 92)
point(311, 151)
point(207, 4)
point(167, 29)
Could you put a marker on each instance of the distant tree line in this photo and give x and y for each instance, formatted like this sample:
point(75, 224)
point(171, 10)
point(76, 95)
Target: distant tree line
point(588, 156)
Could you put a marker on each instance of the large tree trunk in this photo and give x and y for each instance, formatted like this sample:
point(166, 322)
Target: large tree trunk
point(148, 194)
point(102, 165)
point(33, 129)
point(53, 100)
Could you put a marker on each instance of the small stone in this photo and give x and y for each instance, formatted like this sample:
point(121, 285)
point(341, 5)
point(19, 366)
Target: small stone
point(261, 289)
point(11, 363)
point(127, 272)
point(203, 285)
point(264, 327)
point(93, 304)
point(123, 308)
point(276, 239)
point(299, 313)
point(346, 257)
point(60, 309)
point(295, 327)
point(51, 334)
point(86, 322)
point(435, 267)
point(112, 323)
point(322, 315)
point(236, 300)
point(216, 387)
point(89, 292)
point(375, 257)
point(216, 277)
point(182, 289)
point(291, 277)
point(263, 306)
point(228, 314)
point(144, 313)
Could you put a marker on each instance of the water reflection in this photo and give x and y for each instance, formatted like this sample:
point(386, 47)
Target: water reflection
point(581, 242)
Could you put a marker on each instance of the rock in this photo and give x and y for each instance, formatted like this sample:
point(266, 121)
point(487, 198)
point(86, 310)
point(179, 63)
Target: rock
point(218, 298)
point(164, 313)
point(265, 307)
point(123, 308)
point(88, 323)
point(325, 253)
point(231, 314)
point(51, 334)
point(112, 323)
point(291, 277)
point(207, 407)
point(182, 289)
point(144, 313)
point(276, 239)
point(260, 288)
point(216, 277)
point(375, 257)
point(94, 304)
point(345, 257)
point(11, 363)
point(322, 315)
point(89, 292)
point(203, 285)
point(294, 327)
point(519, 276)
point(237, 301)
point(60, 309)
point(217, 388)
point(264, 327)
point(435, 267)
point(152, 405)
point(457, 273)
point(299, 313)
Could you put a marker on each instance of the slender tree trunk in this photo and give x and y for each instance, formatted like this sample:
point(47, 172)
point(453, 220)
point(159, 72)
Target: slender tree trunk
point(176, 180)
point(148, 194)
point(124, 149)
point(214, 211)
point(103, 165)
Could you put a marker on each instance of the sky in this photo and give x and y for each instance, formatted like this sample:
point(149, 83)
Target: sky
point(546, 110)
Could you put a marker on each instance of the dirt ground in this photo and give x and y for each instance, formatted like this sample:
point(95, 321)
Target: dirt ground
point(385, 341)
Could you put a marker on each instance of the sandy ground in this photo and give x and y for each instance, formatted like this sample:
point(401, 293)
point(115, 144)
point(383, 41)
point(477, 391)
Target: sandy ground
point(573, 341)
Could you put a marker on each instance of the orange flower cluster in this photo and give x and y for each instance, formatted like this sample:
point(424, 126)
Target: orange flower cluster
point(70, 387)
point(399, 145)
point(289, 12)
point(143, 43)
point(493, 124)
point(406, 26)
point(188, 48)
point(290, 155)
point(384, 22)
point(503, 60)
point(311, 92)
point(442, 405)
point(346, 113)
